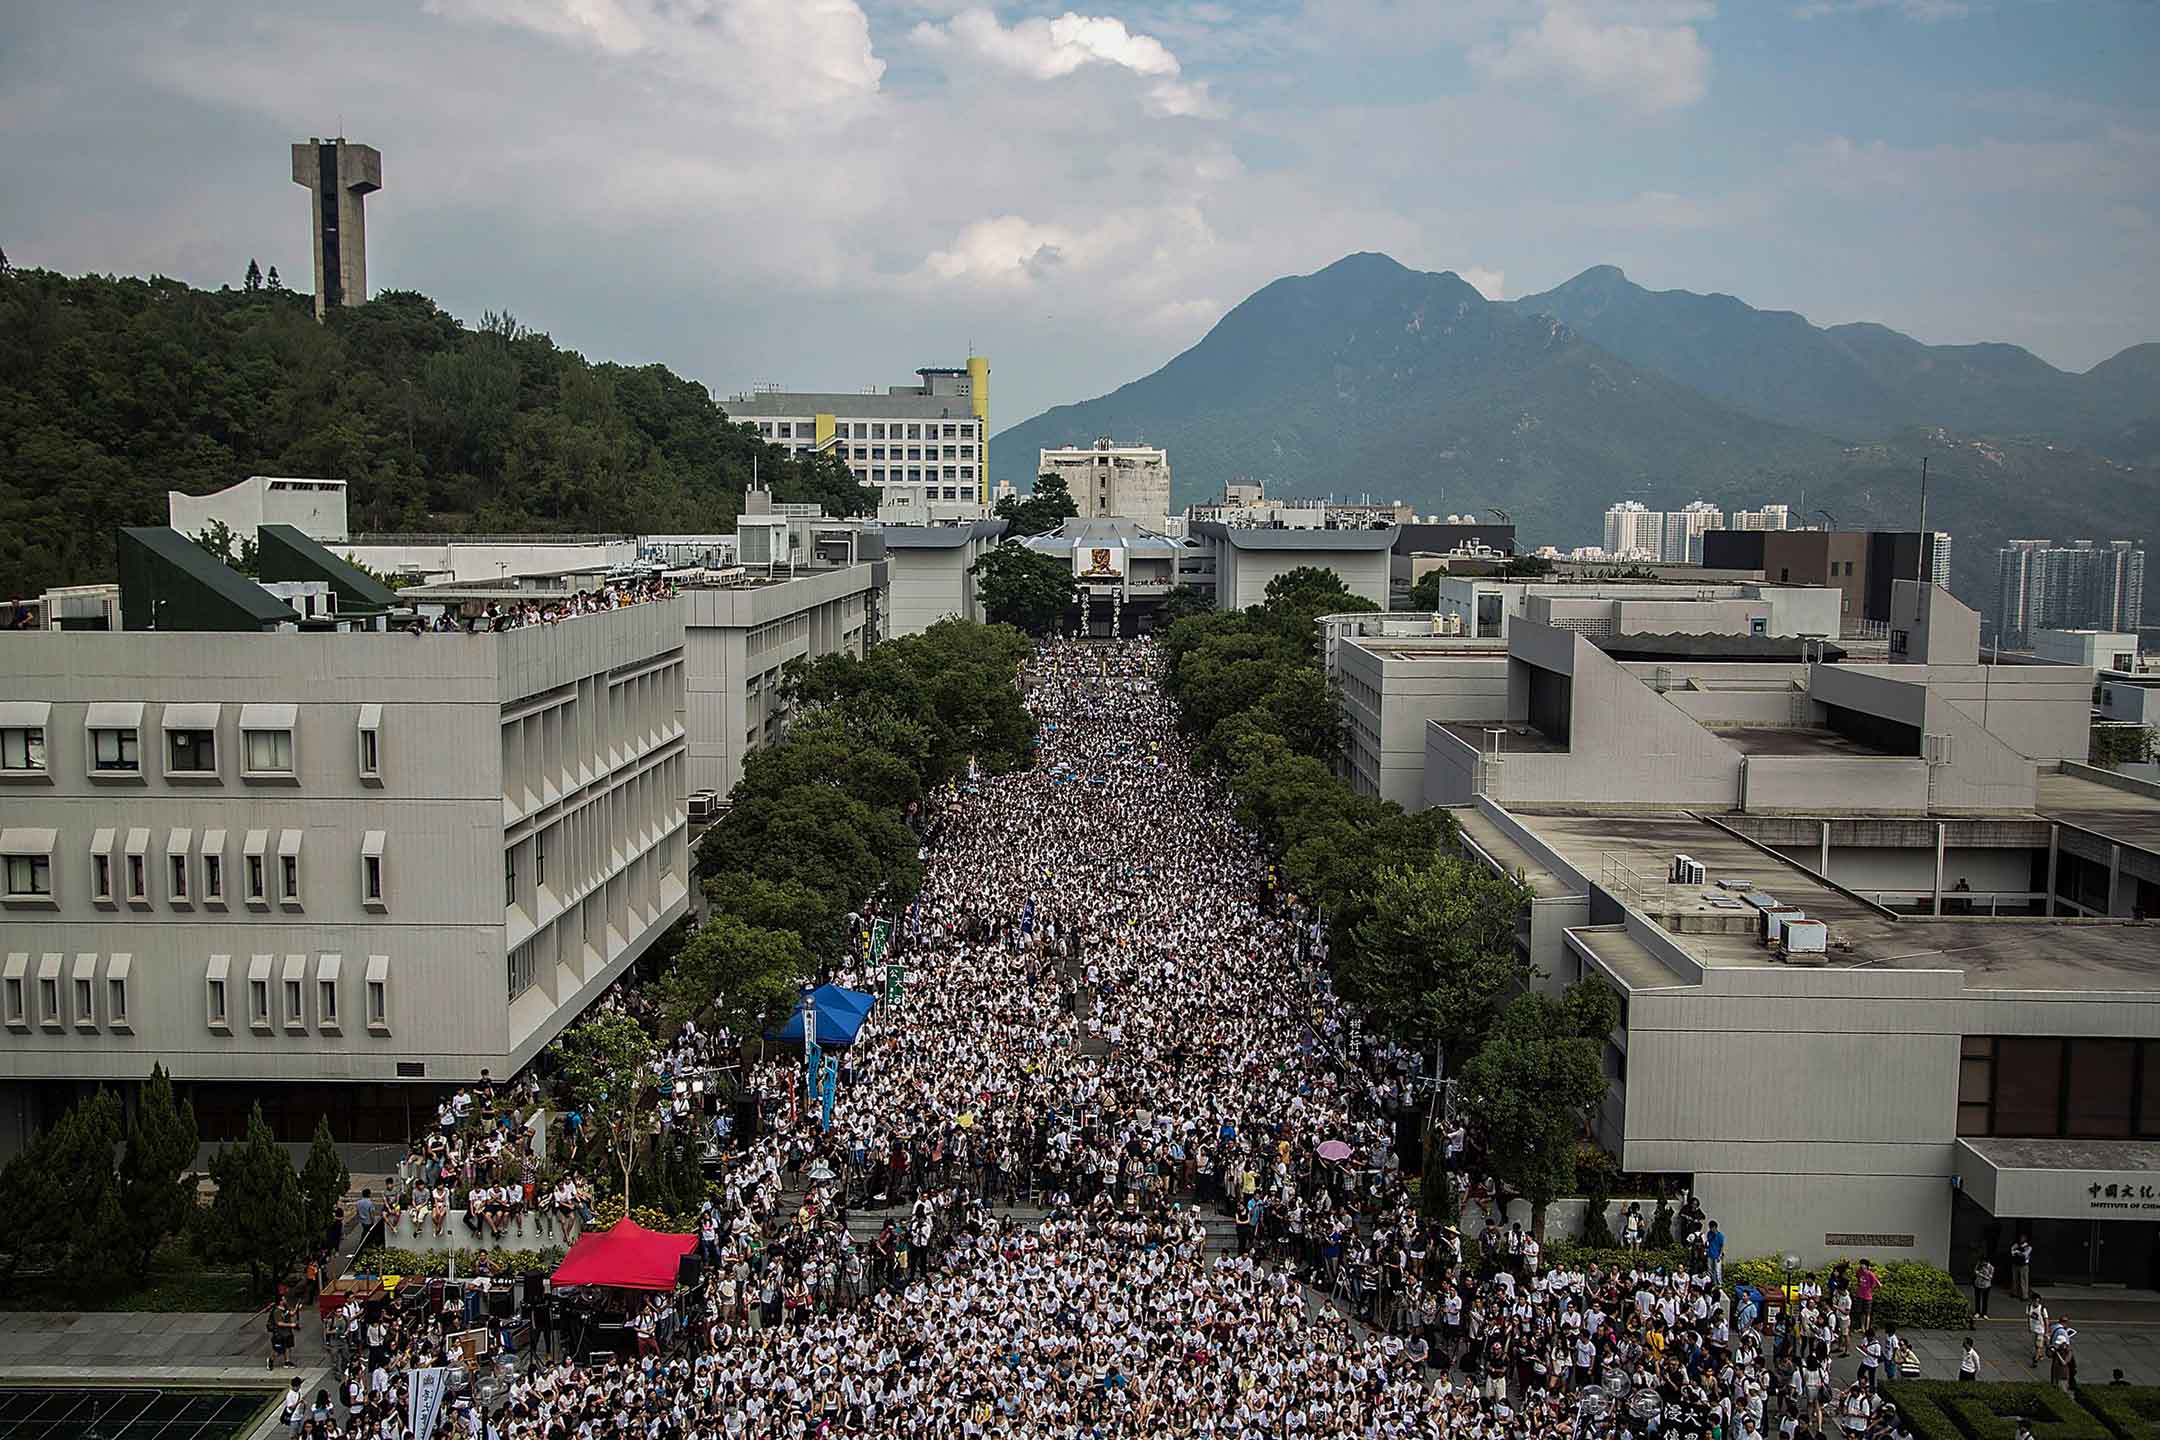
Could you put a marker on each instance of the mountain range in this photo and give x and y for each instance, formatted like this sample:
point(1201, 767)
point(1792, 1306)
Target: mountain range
point(1371, 378)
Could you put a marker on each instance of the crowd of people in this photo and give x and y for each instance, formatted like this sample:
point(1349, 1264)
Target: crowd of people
point(1123, 1181)
point(497, 614)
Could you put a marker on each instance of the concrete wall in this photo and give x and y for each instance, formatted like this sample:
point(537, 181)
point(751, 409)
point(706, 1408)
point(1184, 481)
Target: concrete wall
point(2041, 711)
point(1833, 784)
point(1387, 700)
point(551, 746)
point(1867, 869)
point(481, 560)
point(931, 583)
point(315, 508)
point(1242, 575)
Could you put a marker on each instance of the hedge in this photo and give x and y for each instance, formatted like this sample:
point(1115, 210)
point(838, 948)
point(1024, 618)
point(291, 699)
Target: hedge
point(2130, 1412)
point(514, 1264)
point(1567, 1254)
point(1913, 1295)
point(1992, 1412)
point(606, 1212)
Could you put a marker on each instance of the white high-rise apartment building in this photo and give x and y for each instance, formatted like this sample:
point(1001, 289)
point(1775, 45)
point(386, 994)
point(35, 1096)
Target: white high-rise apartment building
point(1634, 532)
point(1683, 532)
point(1108, 480)
point(1769, 517)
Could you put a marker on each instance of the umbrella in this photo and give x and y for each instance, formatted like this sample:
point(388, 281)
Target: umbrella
point(1335, 1150)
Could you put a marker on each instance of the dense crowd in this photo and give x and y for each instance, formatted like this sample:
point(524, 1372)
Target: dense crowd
point(1123, 1184)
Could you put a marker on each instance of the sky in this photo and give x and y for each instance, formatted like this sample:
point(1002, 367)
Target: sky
point(827, 194)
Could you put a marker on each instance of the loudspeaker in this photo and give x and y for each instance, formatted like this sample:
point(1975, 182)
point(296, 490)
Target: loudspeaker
point(690, 1271)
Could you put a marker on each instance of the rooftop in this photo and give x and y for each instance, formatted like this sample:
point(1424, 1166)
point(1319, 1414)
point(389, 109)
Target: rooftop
point(797, 405)
point(1265, 538)
point(1629, 855)
point(1797, 740)
point(2118, 812)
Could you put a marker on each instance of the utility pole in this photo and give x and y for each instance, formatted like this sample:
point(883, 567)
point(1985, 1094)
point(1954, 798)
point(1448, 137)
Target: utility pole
point(1921, 568)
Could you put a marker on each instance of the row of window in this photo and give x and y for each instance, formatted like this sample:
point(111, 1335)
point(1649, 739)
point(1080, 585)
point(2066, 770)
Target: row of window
point(191, 748)
point(916, 453)
point(869, 430)
point(123, 869)
point(2035, 1086)
point(297, 997)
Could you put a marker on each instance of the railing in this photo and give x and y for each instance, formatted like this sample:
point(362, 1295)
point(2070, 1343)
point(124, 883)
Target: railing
point(420, 537)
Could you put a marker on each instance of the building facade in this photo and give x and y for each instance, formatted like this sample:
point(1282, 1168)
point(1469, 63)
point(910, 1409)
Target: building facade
point(924, 447)
point(357, 864)
point(930, 572)
point(2080, 586)
point(338, 176)
point(1112, 481)
point(1633, 531)
point(1246, 559)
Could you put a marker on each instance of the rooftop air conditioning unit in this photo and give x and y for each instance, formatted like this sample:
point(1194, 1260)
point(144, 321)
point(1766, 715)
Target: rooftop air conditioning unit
point(1775, 921)
point(1806, 942)
point(1936, 749)
point(1687, 870)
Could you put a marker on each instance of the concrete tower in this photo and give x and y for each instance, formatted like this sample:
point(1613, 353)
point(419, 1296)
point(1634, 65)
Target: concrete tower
point(337, 175)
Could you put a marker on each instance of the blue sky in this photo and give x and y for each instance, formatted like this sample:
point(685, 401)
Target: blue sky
point(828, 193)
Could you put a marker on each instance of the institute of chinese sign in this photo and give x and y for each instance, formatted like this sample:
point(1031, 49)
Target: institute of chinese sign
point(2115, 1195)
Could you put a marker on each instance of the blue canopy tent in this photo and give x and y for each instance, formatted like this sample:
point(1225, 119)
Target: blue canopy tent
point(840, 1014)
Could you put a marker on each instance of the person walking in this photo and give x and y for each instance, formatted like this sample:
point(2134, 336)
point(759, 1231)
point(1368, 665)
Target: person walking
point(1969, 1362)
point(2036, 1320)
point(1983, 1282)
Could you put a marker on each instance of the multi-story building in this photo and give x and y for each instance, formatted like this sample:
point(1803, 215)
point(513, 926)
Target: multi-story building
point(1769, 517)
point(1246, 559)
point(358, 863)
point(1863, 565)
point(1683, 532)
point(1635, 532)
point(1875, 898)
point(926, 447)
point(2080, 586)
point(1112, 481)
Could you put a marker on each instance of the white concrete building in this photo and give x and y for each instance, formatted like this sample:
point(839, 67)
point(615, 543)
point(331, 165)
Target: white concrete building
point(1683, 532)
point(1246, 559)
point(1633, 531)
point(314, 507)
point(925, 447)
point(930, 572)
point(346, 865)
point(1769, 517)
point(1112, 481)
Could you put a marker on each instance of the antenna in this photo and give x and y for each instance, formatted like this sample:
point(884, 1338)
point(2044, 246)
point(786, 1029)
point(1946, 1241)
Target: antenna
point(1920, 569)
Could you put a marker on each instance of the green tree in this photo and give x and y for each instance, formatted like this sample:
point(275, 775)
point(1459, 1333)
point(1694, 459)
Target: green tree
point(813, 915)
point(323, 1181)
point(157, 1191)
point(1425, 591)
point(608, 1065)
point(258, 1217)
point(235, 552)
point(1534, 1085)
point(253, 282)
point(1437, 952)
point(1050, 505)
point(274, 285)
point(1183, 602)
point(734, 974)
point(1025, 587)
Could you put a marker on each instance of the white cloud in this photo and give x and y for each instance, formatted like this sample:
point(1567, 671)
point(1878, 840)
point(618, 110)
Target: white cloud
point(1647, 56)
point(725, 46)
point(1492, 284)
point(1007, 250)
point(1046, 48)
point(1925, 11)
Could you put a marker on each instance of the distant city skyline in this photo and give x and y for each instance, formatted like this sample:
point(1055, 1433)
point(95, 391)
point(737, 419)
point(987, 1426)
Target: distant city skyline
point(1083, 195)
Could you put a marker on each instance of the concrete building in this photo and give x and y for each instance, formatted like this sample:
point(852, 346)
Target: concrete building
point(338, 177)
point(2093, 649)
point(315, 507)
point(1769, 517)
point(2080, 586)
point(1123, 570)
point(1881, 942)
point(1246, 559)
point(1485, 608)
point(1862, 565)
point(925, 447)
point(1683, 532)
point(332, 869)
point(1112, 481)
point(1633, 531)
point(930, 572)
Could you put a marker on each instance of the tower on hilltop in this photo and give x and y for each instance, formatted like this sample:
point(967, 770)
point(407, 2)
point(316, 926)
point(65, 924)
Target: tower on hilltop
point(337, 175)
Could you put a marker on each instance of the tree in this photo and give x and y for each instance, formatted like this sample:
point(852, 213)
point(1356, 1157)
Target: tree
point(1524, 567)
point(157, 1190)
point(1183, 602)
point(323, 1181)
point(1025, 588)
point(825, 480)
point(258, 1217)
point(254, 281)
point(1049, 506)
point(1535, 1083)
point(1437, 952)
point(234, 552)
point(607, 1067)
point(274, 285)
point(734, 974)
point(1425, 593)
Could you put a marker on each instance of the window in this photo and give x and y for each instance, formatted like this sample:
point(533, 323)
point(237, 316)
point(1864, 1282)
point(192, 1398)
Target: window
point(218, 1015)
point(371, 877)
point(256, 875)
point(178, 890)
point(49, 997)
point(115, 752)
point(29, 875)
point(378, 994)
point(269, 752)
point(293, 1013)
point(85, 1002)
point(259, 1001)
point(521, 969)
point(191, 752)
point(213, 877)
point(22, 749)
point(101, 875)
point(289, 866)
point(540, 859)
point(371, 742)
point(510, 890)
point(138, 873)
point(14, 1001)
point(116, 1009)
point(326, 1003)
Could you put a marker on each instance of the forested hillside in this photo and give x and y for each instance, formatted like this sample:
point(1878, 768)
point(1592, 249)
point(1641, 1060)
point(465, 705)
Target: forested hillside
point(113, 391)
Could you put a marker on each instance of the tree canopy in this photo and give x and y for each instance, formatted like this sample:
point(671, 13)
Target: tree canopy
point(1050, 505)
point(1025, 588)
point(113, 391)
point(1535, 1083)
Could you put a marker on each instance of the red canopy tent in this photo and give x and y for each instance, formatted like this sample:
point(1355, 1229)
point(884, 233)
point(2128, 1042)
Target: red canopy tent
point(625, 1256)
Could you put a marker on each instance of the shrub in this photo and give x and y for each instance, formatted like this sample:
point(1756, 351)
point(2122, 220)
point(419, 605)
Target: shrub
point(1915, 1400)
point(1991, 1412)
point(2130, 1412)
point(1567, 1254)
point(1913, 1295)
point(516, 1264)
point(652, 1217)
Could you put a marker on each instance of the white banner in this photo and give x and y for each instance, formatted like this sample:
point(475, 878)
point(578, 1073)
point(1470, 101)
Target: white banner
point(423, 1399)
